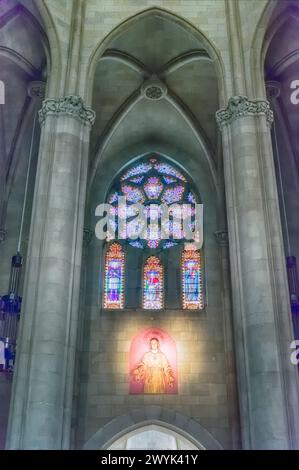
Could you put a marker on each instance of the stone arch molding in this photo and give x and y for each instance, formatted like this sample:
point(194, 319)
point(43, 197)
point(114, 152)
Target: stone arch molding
point(262, 37)
point(210, 53)
point(152, 415)
point(100, 48)
point(53, 54)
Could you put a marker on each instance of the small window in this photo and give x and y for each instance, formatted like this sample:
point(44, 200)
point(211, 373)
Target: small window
point(192, 282)
point(153, 283)
point(114, 277)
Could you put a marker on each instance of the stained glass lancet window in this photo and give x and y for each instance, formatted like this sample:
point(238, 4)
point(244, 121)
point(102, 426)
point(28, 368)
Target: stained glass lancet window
point(192, 282)
point(114, 277)
point(153, 284)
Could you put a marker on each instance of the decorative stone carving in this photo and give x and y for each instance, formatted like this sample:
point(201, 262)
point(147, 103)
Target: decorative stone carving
point(153, 89)
point(3, 234)
point(273, 89)
point(242, 106)
point(221, 237)
point(71, 105)
point(36, 89)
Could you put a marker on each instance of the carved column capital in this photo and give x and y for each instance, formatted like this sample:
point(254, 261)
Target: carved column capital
point(241, 106)
point(221, 237)
point(71, 105)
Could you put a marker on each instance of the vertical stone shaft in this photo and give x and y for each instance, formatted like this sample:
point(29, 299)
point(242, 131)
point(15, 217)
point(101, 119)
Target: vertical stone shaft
point(231, 379)
point(260, 297)
point(40, 415)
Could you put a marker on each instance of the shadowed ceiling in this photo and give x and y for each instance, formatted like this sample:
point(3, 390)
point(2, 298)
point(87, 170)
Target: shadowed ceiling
point(282, 66)
point(151, 48)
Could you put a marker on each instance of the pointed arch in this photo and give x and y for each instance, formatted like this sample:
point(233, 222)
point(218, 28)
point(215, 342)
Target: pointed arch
point(159, 415)
point(262, 38)
point(100, 48)
point(192, 279)
point(53, 54)
point(153, 284)
point(114, 277)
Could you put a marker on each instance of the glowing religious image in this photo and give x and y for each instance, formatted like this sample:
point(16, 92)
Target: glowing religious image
point(153, 284)
point(192, 280)
point(114, 277)
point(153, 368)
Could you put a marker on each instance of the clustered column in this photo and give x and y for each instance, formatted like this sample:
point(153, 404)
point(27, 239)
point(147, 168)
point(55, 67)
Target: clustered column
point(268, 386)
point(40, 415)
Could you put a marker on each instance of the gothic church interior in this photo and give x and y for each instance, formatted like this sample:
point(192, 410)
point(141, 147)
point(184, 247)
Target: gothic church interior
point(149, 342)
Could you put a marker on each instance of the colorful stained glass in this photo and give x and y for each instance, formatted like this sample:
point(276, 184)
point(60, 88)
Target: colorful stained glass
point(137, 180)
point(166, 169)
point(153, 284)
point(133, 194)
point(137, 170)
point(168, 244)
point(113, 210)
point(125, 212)
point(173, 229)
point(153, 187)
point(136, 244)
point(172, 195)
point(191, 198)
point(114, 277)
point(152, 211)
point(153, 183)
point(169, 180)
point(135, 228)
point(113, 198)
point(192, 279)
point(153, 243)
point(112, 225)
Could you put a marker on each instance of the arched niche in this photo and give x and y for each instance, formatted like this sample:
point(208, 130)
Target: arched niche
point(155, 416)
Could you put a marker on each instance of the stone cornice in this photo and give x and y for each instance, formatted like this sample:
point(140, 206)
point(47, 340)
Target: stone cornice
point(241, 106)
point(71, 105)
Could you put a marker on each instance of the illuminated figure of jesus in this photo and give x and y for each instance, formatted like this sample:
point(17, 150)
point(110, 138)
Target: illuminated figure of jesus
point(154, 370)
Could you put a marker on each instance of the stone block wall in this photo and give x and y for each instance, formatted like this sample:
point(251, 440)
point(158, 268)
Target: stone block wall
point(104, 377)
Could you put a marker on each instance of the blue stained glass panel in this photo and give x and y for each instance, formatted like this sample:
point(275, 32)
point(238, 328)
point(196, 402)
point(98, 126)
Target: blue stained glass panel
point(137, 170)
point(166, 169)
point(192, 282)
point(172, 195)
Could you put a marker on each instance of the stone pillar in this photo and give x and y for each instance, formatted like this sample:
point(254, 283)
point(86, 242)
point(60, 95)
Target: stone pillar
point(40, 414)
point(268, 384)
point(231, 379)
point(87, 236)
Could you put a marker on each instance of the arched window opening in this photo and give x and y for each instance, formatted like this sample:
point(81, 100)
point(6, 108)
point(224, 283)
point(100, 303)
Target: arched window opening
point(192, 281)
point(153, 284)
point(114, 277)
point(168, 212)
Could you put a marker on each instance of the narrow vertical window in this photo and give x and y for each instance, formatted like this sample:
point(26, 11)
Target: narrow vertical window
point(192, 280)
point(114, 277)
point(153, 284)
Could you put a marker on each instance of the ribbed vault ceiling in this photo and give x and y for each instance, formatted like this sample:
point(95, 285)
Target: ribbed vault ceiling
point(154, 46)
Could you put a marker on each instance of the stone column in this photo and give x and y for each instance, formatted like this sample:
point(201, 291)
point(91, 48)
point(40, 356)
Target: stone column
point(231, 379)
point(268, 384)
point(40, 414)
point(87, 236)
